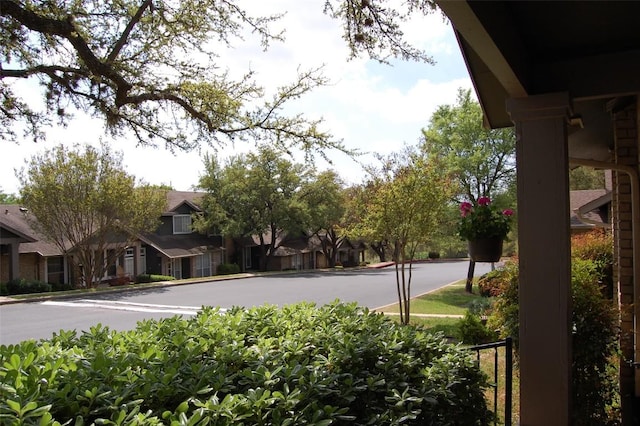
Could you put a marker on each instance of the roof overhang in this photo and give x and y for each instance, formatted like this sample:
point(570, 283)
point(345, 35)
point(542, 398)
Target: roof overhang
point(515, 49)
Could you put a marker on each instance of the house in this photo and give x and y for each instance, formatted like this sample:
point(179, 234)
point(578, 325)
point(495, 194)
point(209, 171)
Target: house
point(174, 249)
point(295, 253)
point(590, 208)
point(25, 254)
point(567, 76)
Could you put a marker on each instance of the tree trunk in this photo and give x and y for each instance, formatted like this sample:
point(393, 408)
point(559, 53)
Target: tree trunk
point(379, 249)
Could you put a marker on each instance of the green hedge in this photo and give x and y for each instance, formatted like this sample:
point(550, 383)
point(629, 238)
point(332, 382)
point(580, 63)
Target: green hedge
point(23, 286)
point(150, 278)
point(298, 365)
point(228, 268)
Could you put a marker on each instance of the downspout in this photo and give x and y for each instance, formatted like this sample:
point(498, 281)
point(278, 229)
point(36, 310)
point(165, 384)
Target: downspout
point(635, 217)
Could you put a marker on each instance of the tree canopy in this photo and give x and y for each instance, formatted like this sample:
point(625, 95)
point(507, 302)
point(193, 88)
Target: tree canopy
point(6, 198)
point(403, 207)
point(481, 159)
point(254, 194)
point(84, 202)
point(151, 68)
point(586, 178)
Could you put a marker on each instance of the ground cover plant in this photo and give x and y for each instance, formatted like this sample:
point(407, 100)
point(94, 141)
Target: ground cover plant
point(296, 365)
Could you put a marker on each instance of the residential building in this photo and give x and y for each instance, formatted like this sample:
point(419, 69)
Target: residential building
point(26, 254)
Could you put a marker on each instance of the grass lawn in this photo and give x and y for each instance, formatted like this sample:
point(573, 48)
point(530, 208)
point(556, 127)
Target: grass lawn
point(449, 300)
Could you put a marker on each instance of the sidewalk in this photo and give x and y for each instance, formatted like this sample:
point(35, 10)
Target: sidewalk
point(424, 315)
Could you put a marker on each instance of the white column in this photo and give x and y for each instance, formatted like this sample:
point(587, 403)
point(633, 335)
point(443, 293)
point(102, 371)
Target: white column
point(544, 258)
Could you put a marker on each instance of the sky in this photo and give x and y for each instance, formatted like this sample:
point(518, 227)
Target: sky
point(372, 107)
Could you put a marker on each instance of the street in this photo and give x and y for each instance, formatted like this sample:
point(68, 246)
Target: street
point(372, 288)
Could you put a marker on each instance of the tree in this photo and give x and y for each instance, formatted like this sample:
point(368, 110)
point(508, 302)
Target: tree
point(150, 68)
point(87, 205)
point(359, 199)
point(147, 67)
point(411, 192)
point(482, 160)
point(8, 198)
point(257, 194)
point(374, 27)
point(325, 197)
point(586, 178)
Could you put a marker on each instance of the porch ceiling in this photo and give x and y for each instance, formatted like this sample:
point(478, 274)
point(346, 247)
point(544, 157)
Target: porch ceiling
point(590, 49)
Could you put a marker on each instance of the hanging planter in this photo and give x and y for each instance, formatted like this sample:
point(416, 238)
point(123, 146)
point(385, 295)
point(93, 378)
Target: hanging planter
point(485, 227)
point(485, 249)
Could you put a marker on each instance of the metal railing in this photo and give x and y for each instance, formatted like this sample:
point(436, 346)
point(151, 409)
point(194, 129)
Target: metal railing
point(508, 373)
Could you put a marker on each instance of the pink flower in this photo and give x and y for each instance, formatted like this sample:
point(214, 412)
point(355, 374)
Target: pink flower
point(484, 201)
point(507, 212)
point(465, 208)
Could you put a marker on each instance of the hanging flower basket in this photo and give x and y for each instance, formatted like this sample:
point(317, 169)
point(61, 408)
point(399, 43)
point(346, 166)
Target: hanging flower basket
point(485, 249)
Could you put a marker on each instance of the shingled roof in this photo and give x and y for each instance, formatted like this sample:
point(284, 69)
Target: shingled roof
point(15, 218)
point(176, 198)
point(588, 203)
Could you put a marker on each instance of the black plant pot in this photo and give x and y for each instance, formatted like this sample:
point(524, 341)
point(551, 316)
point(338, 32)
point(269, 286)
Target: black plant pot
point(485, 249)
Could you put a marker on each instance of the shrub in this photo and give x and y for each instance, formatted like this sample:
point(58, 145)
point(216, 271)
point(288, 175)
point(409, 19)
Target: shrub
point(492, 283)
point(481, 307)
point(471, 330)
point(119, 281)
point(597, 246)
point(299, 365)
point(23, 286)
point(595, 343)
point(150, 278)
point(228, 268)
point(434, 255)
point(61, 286)
point(595, 338)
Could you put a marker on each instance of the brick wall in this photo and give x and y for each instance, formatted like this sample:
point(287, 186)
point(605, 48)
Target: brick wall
point(625, 124)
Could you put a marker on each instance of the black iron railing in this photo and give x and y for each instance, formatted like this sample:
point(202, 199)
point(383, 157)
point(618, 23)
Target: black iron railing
point(508, 374)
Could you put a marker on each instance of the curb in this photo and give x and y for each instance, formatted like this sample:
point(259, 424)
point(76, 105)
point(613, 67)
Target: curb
point(4, 300)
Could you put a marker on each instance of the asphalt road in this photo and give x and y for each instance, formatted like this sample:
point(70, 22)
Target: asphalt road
point(373, 288)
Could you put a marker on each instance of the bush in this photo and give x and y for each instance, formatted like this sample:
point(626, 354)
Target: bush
point(299, 365)
point(228, 268)
point(150, 278)
point(61, 286)
point(597, 246)
point(493, 283)
point(595, 340)
point(119, 281)
point(434, 255)
point(472, 331)
point(23, 286)
point(595, 343)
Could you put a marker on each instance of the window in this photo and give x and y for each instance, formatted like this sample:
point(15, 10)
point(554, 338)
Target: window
point(203, 265)
point(55, 270)
point(182, 224)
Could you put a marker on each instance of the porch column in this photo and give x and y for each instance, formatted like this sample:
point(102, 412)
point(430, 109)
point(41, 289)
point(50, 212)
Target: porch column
point(544, 258)
point(14, 267)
